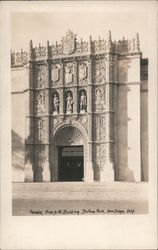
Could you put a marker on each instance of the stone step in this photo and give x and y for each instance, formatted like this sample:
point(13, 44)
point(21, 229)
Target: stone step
point(80, 191)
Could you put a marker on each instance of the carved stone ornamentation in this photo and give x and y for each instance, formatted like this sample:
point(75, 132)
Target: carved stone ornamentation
point(56, 50)
point(68, 42)
point(99, 99)
point(40, 76)
point(39, 160)
point(40, 52)
point(40, 103)
point(40, 130)
point(81, 47)
point(55, 75)
point(99, 153)
point(99, 45)
point(83, 73)
point(21, 58)
point(69, 73)
point(99, 71)
point(99, 131)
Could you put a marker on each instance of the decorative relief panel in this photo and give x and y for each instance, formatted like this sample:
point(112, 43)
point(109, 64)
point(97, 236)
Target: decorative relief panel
point(69, 74)
point(39, 52)
point(99, 99)
point(99, 155)
point(41, 76)
point(84, 121)
point(99, 46)
point(39, 103)
point(20, 58)
point(40, 130)
point(83, 73)
point(55, 75)
point(99, 129)
point(81, 47)
point(69, 42)
point(99, 71)
point(56, 50)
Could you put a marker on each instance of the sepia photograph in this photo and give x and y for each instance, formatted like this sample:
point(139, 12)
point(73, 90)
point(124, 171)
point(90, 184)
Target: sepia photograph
point(79, 115)
point(78, 125)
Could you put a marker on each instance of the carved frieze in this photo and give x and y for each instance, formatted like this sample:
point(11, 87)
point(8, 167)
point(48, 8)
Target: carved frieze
point(83, 73)
point(69, 74)
point(99, 99)
point(99, 71)
point(39, 103)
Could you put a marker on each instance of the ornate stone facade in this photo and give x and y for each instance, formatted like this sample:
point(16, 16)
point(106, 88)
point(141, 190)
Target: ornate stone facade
point(74, 84)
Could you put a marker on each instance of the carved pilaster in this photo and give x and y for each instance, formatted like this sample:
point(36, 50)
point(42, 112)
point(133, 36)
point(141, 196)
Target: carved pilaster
point(75, 95)
point(108, 172)
point(46, 169)
point(29, 161)
point(90, 172)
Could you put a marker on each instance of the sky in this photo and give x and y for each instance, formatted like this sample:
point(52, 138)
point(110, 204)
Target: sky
point(43, 26)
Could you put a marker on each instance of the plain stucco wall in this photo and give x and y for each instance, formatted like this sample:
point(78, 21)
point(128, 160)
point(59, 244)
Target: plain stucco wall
point(18, 124)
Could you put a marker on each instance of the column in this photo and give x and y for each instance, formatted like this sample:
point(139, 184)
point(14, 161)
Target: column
point(29, 161)
point(89, 177)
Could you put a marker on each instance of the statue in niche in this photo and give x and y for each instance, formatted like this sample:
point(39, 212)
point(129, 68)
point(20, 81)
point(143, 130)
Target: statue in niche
point(83, 103)
point(56, 104)
point(69, 103)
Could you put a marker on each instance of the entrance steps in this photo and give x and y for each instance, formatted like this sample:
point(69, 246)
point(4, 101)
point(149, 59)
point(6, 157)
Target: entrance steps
point(81, 191)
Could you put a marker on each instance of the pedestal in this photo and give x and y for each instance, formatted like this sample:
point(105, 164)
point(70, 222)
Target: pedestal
point(89, 175)
point(46, 172)
point(107, 174)
point(28, 172)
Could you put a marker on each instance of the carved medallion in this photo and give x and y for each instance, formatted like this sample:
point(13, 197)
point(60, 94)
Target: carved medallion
point(68, 73)
point(69, 42)
point(55, 73)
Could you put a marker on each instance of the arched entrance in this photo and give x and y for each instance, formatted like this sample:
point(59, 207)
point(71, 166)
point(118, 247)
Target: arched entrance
point(70, 147)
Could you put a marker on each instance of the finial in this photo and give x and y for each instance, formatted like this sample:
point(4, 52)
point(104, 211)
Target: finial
point(31, 44)
point(109, 36)
point(81, 39)
point(90, 38)
point(47, 43)
point(137, 42)
point(39, 45)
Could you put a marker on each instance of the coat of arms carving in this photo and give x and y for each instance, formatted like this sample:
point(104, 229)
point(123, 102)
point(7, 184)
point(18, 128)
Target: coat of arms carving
point(69, 42)
point(55, 73)
point(68, 73)
point(82, 71)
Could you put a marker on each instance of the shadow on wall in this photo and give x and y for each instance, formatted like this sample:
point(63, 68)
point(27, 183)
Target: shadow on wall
point(123, 171)
point(18, 155)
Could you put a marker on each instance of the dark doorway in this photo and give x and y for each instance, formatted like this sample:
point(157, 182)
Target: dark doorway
point(71, 163)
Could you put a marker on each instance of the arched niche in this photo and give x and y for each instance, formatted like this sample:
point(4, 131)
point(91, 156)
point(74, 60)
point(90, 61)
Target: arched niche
point(69, 102)
point(82, 101)
point(55, 102)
